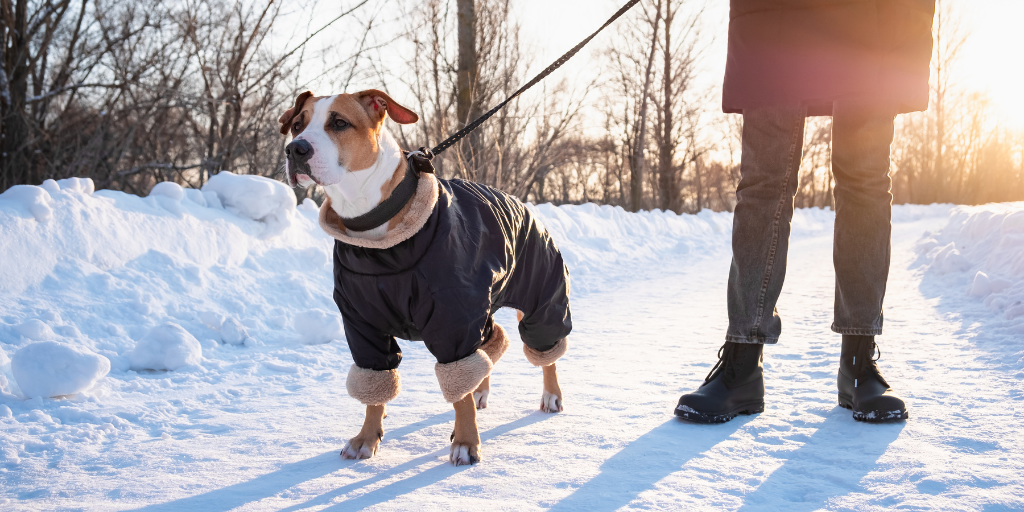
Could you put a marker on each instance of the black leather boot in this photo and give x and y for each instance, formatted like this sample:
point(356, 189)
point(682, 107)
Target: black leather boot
point(734, 386)
point(861, 385)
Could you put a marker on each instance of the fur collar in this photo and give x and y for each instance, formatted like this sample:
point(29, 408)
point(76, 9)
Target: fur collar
point(419, 209)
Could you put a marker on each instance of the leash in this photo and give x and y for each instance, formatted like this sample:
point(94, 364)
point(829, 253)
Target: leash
point(419, 161)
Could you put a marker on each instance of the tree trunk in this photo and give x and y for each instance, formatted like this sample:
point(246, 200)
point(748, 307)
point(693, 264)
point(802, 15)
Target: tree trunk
point(467, 76)
point(636, 179)
point(16, 169)
point(666, 177)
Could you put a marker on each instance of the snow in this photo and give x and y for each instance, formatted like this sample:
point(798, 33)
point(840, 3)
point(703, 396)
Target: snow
point(317, 326)
point(32, 200)
point(981, 251)
point(35, 329)
point(48, 369)
point(254, 197)
point(241, 403)
point(165, 347)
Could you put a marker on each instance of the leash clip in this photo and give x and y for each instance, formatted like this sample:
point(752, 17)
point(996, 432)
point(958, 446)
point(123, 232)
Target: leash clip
point(420, 160)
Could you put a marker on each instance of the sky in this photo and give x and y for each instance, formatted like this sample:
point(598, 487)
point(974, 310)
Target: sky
point(992, 60)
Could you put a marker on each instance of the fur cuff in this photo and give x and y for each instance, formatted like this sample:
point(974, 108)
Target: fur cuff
point(372, 387)
point(459, 378)
point(549, 356)
point(418, 212)
point(496, 345)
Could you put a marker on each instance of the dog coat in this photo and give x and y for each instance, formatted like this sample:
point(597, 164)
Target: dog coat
point(478, 250)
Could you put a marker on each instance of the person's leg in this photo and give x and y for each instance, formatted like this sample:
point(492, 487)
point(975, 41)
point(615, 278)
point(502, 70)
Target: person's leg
point(769, 164)
point(772, 145)
point(861, 137)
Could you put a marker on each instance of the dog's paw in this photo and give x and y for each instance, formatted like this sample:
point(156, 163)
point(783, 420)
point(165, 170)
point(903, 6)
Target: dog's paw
point(550, 402)
point(358, 448)
point(464, 454)
point(480, 397)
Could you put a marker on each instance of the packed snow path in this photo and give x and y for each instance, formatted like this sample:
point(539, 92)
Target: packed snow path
point(263, 433)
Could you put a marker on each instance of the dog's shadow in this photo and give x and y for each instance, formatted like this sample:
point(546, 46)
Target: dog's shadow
point(417, 481)
point(296, 473)
point(284, 478)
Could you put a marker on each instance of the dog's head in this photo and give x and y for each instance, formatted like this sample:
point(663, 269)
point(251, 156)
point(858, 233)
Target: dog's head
point(334, 135)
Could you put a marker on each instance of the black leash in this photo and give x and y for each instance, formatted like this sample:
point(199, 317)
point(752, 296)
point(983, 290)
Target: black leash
point(419, 161)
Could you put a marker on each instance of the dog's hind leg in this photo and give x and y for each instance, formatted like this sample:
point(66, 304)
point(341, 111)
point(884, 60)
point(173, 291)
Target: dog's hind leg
point(465, 449)
point(365, 445)
point(482, 392)
point(551, 399)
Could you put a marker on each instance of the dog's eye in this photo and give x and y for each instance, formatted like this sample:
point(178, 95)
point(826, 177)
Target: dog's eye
point(339, 124)
point(296, 127)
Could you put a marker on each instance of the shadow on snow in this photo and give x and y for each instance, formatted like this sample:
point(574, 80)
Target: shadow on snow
point(832, 463)
point(284, 478)
point(644, 462)
point(293, 474)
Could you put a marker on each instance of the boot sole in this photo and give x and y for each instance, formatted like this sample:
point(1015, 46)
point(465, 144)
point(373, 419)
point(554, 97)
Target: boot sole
point(873, 416)
point(695, 416)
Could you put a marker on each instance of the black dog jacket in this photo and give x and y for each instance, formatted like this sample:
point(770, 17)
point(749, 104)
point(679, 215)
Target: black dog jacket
point(479, 250)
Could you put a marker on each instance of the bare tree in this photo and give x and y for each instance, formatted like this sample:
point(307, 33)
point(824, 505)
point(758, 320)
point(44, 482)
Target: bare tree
point(518, 147)
point(132, 93)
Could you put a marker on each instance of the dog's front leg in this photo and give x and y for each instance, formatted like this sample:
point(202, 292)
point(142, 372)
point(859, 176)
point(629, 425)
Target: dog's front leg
point(551, 399)
point(466, 438)
point(365, 445)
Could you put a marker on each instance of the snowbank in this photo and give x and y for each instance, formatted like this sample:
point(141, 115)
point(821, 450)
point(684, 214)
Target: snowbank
point(49, 368)
point(981, 249)
point(603, 240)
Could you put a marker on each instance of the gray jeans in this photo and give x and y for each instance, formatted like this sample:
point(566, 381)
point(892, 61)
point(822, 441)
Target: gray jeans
point(772, 145)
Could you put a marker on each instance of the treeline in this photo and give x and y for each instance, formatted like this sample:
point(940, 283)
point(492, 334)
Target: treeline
point(133, 93)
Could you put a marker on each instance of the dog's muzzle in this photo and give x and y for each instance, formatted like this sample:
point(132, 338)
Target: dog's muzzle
point(298, 153)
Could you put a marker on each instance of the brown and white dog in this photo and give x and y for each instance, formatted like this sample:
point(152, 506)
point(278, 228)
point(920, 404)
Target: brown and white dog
point(340, 143)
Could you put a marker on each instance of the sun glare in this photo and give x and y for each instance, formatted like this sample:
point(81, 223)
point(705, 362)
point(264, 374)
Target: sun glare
point(993, 57)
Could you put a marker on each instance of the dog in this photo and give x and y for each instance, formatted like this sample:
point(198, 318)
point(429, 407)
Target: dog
point(435, 272)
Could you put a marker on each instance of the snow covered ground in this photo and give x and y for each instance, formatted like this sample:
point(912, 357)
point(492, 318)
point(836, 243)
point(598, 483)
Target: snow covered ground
point(202, 364)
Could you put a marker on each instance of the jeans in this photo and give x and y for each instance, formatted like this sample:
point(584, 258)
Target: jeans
point(770, 160)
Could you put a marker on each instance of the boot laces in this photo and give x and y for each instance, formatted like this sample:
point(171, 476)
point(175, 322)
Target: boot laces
point(728, 362)
point(721, 357)
point(864, 366)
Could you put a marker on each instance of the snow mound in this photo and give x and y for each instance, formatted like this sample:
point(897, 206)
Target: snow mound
point(30, 199)
point(48, 368)
point(80, 185)
point(317, 326)
point(255, 197)
point(982, 248)
point(168, 189)
point(232, 332)
point(166, 347)
point(35, 330)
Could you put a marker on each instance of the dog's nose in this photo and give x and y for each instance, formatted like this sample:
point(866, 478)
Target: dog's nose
point(299, 151)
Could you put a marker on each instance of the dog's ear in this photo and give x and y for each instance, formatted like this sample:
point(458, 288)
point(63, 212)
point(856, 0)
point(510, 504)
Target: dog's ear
point(377, 103)
point(286, 118)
